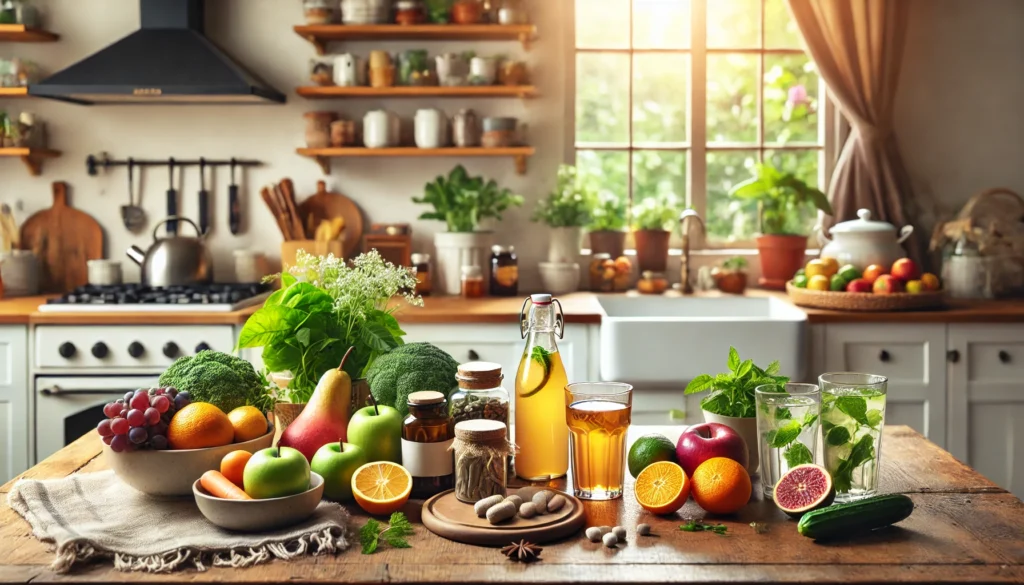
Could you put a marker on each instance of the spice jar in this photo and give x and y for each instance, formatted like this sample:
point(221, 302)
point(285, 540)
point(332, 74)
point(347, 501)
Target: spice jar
point(409, 12)
point(481, 450)
point(318, 128)
point(504, 271)
point(602, 273)
point(427, 435)
point(421, 264)
point(318, 11)
point(652, 283)
point(472, 282)
point(480, 394)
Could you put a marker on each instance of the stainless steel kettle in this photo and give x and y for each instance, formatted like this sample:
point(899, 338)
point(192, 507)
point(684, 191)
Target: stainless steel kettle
point(174, 261)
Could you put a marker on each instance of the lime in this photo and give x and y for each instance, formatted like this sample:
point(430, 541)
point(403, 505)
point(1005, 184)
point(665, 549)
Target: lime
point(650, 449)
point(535, 372)
point(849, 272)
point(800, 281)
point(838, 283)
point(801, 272)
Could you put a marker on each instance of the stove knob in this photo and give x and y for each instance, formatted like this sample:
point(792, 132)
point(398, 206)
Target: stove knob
point(66, 350)
point(171, 349)
point(136, 350)
point(202, 347)
point(99, 350)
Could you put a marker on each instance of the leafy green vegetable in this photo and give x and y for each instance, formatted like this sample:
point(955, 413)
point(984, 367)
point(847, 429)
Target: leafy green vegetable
point(394, 535)
point(411, 368)
point(798, 454)
point(862, 452)
point(570, 203)
point(809, 419)
point(699, 526)
point(462, 201)
point(784, 201)
point(733, 391)
point(221, 379)
point(837, 436)
point(785, 434)
point(855, 407)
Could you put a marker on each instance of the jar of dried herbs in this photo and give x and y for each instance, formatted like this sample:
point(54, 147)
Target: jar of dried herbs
point(480, 394)
point(481, 451)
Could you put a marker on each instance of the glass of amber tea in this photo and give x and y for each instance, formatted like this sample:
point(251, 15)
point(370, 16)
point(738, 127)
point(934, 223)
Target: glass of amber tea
point(598, 417)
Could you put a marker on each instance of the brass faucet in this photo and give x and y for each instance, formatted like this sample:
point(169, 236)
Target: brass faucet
point(685, 286)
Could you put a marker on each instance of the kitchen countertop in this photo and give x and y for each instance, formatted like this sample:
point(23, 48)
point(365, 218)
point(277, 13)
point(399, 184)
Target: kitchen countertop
point(578, 308)
point(964, 529)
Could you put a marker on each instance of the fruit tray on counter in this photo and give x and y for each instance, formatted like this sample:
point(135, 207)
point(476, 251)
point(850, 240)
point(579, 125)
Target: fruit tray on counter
point(824, 284)
point(852, 301)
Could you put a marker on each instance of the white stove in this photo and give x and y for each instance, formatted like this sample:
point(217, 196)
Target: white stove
point(135, 298)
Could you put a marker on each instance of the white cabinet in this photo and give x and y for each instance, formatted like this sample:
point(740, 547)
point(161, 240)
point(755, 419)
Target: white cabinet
point(14, 401)
point(986, 398)
point(912, 357)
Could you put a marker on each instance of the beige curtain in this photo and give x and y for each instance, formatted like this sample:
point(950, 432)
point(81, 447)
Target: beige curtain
point(857, 46)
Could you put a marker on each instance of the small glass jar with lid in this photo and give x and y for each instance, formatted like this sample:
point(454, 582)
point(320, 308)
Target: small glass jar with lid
point(421, 264)
point(652, 283)
point(319, 11)
point(427, 435)
point(481, 448)
point(472, 282)
point(504, 271)
point(480, 394)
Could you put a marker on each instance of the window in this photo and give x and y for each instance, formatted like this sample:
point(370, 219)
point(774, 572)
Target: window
point(684, 97)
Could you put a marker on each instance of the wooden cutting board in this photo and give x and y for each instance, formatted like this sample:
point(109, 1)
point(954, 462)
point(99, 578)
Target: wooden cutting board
point(446, 516)
point(327, 205)
point(63, 239)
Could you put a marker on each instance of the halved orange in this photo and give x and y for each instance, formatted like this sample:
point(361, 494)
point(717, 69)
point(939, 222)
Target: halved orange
point(381, 487)
point(662, 488)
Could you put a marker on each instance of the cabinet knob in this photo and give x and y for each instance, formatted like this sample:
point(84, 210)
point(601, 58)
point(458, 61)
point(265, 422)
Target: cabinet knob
point(473, 355)
point(66, 350)
point(883, 356)
point(1004, 356)
point(953, 356)
point(99, 350)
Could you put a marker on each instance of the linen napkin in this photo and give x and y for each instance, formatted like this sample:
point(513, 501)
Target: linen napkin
point(95, 515)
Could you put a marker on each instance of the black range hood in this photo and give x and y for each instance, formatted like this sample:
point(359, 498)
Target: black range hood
point(167, 61)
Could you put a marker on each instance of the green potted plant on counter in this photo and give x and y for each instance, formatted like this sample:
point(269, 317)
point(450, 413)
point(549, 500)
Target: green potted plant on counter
point(785, 204)
point(653, 219)
point(462, 202)
point(731, 401)
point(324, 307)
point(566, 210)
point(607, 227)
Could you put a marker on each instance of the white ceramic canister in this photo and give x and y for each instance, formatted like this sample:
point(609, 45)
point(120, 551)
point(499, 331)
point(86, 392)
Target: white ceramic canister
point(483, 70)
point(430, 128)
point(349, 70)
point(377, 128)
point(452, 69)
point(104, 272)
point(863, 242)
point(250, 266)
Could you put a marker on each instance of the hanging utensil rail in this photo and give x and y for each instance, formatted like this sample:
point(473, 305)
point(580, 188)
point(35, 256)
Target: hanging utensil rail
point(94, 163)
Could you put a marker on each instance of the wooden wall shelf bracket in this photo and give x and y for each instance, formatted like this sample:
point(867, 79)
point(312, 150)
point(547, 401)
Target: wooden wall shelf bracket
point(520, 160)
point(31, 157)
point(324, 162)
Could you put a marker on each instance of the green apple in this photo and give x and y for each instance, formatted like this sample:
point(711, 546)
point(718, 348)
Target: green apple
point(336, 462)
point(276, 472)
point(378, 430)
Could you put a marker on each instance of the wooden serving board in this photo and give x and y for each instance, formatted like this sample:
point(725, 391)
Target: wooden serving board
point(327, 205)
point(446, 516)
point(63, 239)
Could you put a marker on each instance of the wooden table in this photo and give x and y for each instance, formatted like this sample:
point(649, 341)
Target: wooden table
point(964, 529)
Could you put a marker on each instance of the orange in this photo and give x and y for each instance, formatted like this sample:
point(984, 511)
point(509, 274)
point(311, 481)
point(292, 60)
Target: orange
point(871, 273)
point(249, 423)
point(381, 487)
point(233, 464)
point(930, 282)
point(831, 265)
point(721, 485)
point(199, 425)
point(662, 488)
point(819, 282)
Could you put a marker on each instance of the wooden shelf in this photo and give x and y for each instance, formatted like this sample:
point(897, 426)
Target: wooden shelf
point(13, 92)
point(32, 157)
point(19, 33)
point(468, 91)
point(320, 35)
point(323, 156)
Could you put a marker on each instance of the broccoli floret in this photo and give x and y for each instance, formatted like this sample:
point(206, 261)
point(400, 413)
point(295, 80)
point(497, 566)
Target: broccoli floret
point(411, 368)
point(221, 379)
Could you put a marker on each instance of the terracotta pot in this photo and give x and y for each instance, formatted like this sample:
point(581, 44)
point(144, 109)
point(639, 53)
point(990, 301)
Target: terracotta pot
point(781, 257)
point(730, 281)
point(652, 249)
point(611, 242)
point(467, 12)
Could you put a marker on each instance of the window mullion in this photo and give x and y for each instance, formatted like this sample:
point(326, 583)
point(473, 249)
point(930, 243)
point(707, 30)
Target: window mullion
point(697, 174)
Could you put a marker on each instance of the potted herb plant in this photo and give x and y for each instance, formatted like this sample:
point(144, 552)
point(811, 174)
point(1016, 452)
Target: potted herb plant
point(731, 401)
point(462, 202)
point(566, 210)
point(731, 276)
point(784, 204)
point(324, 307)
point(608, 226)
point(653, 219)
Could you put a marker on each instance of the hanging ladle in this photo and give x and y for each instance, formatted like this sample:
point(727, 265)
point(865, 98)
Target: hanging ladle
point(133, 215)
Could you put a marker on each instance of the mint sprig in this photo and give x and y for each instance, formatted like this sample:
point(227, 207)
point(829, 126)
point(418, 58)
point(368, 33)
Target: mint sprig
point(394, 535)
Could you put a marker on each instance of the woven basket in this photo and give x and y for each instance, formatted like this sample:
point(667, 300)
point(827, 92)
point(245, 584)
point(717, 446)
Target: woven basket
point(844, 301)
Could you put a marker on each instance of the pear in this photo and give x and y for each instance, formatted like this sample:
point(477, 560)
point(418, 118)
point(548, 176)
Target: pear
point(325, 417)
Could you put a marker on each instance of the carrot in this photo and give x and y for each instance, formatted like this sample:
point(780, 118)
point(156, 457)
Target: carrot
point(221, 487)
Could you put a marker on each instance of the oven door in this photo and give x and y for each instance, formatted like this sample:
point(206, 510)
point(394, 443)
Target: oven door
point(67, 407)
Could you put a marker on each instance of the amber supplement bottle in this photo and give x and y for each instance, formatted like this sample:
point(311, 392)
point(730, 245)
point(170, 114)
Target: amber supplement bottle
point(427, 436)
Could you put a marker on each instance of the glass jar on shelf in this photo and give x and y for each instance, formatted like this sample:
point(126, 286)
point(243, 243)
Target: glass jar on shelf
point(421, 264)
point(504, 271)
point(480, 394)
point(319, 11)
point(472, 282)
point(427, 435)
point(602, 273)
point(652, 283)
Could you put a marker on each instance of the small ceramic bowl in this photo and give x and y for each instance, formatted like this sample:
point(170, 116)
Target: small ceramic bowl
point(559, 278)
point(172, 472)
point(260, 515)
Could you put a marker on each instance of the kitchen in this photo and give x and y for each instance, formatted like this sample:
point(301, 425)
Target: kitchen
point(965, 405)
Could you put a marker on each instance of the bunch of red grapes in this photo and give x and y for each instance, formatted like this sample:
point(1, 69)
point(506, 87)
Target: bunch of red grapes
point(140, 419)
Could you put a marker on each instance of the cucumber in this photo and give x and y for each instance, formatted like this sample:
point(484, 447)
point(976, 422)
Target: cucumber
point(861, 516)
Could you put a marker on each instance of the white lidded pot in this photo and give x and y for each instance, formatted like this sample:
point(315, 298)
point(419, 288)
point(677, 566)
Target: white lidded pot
point(863, 242)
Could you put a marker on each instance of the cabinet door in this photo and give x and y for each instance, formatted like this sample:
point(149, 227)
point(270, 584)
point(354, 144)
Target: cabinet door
point(912, 357)
point(14, 402)
point(986, 414)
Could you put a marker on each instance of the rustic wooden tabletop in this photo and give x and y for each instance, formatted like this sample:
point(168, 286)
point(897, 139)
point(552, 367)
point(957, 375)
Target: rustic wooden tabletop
point(963, 529)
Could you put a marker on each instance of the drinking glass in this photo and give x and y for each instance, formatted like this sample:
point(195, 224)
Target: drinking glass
point(598, 417)
point(787, 429)
point(852, 414)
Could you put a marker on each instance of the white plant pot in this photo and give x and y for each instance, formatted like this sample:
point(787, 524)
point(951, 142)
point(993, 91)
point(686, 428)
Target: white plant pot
point(559, 279)
point(565, 245)
point(746, 428)
point(453, 250)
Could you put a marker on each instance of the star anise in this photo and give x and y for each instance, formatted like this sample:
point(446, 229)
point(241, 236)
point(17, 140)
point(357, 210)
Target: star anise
point(523, 551)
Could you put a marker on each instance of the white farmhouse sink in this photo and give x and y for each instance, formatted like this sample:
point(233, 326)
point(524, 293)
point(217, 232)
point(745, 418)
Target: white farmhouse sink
point(670, 340)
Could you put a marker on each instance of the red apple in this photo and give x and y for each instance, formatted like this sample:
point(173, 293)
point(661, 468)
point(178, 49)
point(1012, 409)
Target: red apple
point(859, 285)
point(887, 284)
point(702, 442)
point(905, 269)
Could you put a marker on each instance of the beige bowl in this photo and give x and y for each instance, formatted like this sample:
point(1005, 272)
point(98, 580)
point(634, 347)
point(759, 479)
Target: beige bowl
point(260, 515)
point(172, 472)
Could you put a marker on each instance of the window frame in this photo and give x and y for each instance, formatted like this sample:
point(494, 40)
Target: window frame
point(832, 130)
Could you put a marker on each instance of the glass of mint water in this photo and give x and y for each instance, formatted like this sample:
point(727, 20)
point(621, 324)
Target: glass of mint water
point(852, 414)
point(787, 429)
